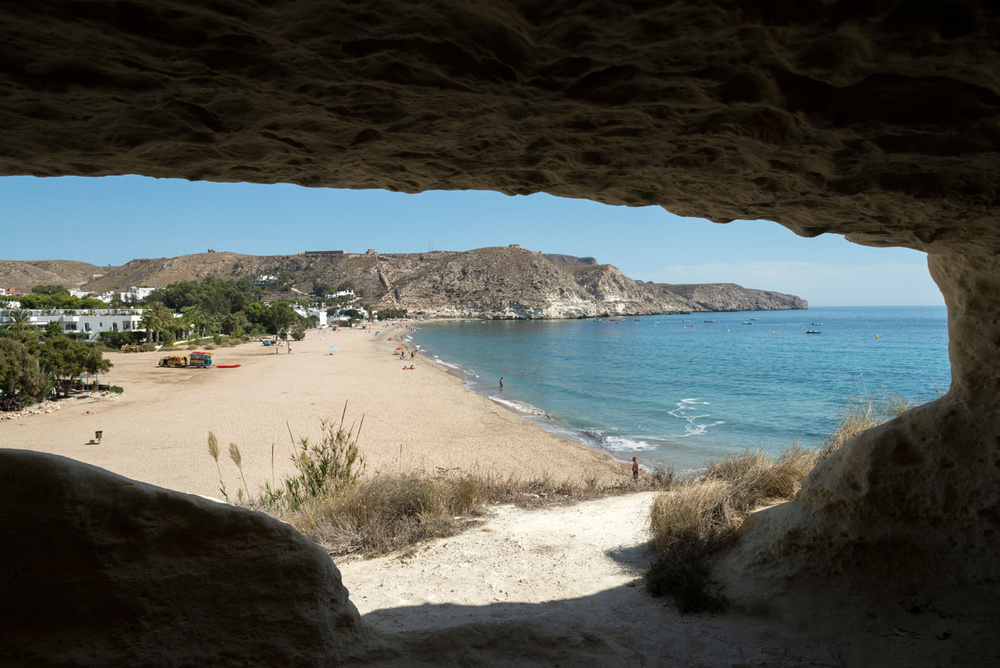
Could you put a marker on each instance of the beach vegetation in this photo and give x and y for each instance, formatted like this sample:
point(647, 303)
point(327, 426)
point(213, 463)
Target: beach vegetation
point(332, 500)
point(322, 468)
point(65, 359)
point(213, 296)
point(701, 516)
point(213, 451)
point(391, 313)
point(19, 320)
point(21, 374)
point(59, 301)
point(860, 415)
point(50, 290)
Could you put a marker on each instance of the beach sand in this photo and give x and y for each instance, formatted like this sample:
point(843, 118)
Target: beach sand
point(157, 431)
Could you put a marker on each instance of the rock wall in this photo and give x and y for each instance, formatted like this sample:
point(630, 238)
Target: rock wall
point(908, 514)
point(100, 570)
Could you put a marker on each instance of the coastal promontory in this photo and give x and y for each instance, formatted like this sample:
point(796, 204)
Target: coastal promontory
point(495, 283)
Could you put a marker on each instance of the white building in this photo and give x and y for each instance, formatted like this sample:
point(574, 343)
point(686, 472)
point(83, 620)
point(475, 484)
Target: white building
point(265, 279)
point(75, 320)
point(309, 312)
point(340, 293)
point(133, 294)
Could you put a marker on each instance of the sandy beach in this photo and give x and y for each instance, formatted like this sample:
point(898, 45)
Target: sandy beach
point(426, 418)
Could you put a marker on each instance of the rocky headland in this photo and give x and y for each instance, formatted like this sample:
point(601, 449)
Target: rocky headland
point(495, 283)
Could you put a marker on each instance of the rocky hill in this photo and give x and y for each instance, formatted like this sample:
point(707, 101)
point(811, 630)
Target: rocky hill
point(502, 282)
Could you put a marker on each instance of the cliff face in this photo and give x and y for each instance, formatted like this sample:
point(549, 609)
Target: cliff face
point(495, 283)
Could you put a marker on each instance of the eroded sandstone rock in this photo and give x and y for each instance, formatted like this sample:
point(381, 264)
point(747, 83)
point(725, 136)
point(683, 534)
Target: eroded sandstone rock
point(907, 514)
point(101, 570)
point(877, 120)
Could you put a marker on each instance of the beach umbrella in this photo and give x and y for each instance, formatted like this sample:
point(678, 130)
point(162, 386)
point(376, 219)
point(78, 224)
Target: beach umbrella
point(401, 348)
point(333, 348)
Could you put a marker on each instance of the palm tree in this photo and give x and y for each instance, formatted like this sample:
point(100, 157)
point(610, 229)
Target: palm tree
point(150, 323)
point(194, 319)
point(20, 320)
point(155, 319)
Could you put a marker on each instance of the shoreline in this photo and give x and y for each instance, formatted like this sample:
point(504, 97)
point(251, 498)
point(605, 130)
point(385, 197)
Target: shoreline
point(426, 419)
point(538, 416)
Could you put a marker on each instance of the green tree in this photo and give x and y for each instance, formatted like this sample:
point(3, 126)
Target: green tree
point(50, 290)
point(282, 316)
point(20, 373)
point(66, 359)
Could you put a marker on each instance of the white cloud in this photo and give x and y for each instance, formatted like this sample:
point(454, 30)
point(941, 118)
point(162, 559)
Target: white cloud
point(883, 283)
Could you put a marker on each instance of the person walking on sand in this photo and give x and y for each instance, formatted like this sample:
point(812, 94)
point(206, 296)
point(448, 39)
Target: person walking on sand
point(635, 471)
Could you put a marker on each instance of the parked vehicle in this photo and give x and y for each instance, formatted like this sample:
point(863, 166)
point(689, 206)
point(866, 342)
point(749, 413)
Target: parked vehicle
point(200, 358)
point(175, 361)
point(132, 348)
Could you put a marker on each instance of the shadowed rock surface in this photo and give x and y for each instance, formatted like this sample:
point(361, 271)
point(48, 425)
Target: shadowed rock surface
point(107, 571)
point(876, 120)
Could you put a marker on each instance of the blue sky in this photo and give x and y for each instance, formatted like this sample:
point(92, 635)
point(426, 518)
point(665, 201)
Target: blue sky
point(113, 220)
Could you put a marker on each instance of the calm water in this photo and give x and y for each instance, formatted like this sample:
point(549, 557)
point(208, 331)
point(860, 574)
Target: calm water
point(676, 390)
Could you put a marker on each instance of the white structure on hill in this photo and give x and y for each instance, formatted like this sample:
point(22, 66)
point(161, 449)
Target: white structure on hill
point(265, 279)
point(129, 295)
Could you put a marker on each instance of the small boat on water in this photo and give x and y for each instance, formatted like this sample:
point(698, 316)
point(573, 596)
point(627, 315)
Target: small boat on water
point(709, 321)
point(815, 323)
point(746, 322)
point(813, 331)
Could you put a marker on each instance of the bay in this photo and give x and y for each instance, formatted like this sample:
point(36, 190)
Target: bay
point(678, 390)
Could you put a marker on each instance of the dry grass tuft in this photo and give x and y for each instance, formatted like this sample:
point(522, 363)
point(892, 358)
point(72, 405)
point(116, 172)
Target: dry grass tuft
point(861, 415)
point(386, 512)
point(704, 515)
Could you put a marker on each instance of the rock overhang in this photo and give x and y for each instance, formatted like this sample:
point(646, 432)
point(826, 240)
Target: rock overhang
point(879, 121)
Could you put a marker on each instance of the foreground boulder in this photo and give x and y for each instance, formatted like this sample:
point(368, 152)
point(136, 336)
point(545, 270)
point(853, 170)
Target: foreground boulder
point(102, 570)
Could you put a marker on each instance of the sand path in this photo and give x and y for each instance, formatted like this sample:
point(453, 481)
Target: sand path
point(572, 575)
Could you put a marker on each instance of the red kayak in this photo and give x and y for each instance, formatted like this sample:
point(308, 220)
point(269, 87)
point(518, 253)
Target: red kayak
point(227, 366)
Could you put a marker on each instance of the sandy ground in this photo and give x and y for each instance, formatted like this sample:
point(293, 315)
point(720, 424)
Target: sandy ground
point(157, 431)
point(572, 574)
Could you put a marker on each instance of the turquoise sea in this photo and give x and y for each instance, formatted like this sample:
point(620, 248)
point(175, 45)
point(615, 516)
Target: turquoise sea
point(678, 390)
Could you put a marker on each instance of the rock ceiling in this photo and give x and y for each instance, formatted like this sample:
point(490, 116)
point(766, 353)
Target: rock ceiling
point(878, 120)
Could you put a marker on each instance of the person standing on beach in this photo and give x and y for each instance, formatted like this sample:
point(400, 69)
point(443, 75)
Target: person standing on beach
point(635, 471)
point(501, 382)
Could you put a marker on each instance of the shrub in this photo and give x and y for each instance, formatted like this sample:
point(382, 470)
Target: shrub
point(322, 468)
point(116, 389)
point(705, 513)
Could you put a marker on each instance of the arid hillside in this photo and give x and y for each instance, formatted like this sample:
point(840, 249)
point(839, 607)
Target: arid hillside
point(501, 282)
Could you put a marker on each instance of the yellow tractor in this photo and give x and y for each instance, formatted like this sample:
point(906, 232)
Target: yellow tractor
point(132, 348)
